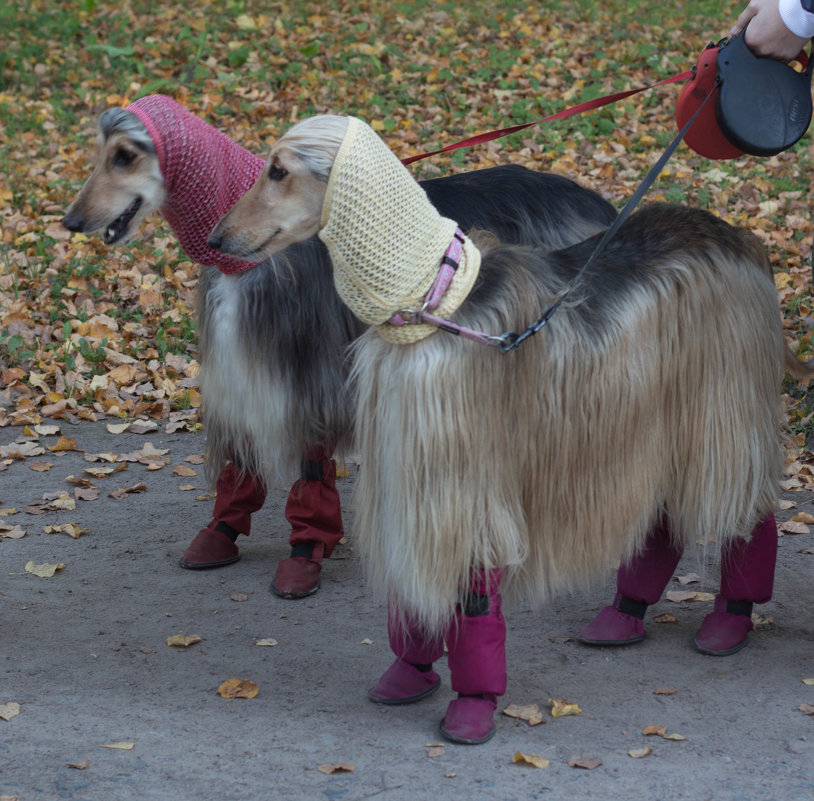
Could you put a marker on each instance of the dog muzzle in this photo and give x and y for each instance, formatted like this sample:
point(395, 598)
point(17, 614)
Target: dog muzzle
point(386, 239)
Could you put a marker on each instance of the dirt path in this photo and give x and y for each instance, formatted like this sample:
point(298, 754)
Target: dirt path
point(84, 654)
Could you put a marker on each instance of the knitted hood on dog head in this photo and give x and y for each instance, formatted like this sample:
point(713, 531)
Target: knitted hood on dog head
point(205, 173)
point(386, 239)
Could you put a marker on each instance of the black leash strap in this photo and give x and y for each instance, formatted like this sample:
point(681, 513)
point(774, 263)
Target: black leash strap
point(511, 340)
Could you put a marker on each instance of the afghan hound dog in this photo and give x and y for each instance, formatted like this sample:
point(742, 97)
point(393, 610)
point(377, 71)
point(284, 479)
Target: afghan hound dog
point(273, 340)
point(652, 394)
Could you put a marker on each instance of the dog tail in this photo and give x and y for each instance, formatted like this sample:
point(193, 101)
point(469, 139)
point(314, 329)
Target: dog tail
point(802, 371)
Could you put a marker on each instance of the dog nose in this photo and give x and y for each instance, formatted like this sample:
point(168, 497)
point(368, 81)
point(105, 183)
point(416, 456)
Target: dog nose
point(73, 222)
point(215, 240)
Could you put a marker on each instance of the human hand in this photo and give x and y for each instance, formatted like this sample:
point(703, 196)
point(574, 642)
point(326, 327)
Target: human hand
point(767, 34)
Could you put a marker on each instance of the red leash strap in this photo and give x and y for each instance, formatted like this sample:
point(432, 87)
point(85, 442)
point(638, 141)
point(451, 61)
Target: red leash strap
point(588, 105)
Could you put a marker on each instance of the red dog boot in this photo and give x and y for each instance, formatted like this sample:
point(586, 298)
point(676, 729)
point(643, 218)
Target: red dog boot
point(477, 662)
point(239, 493)
point(315, 515)
point(470, 719)
point(404, 683)
point(747, 573)
point(723, 631)
point(639, 582)
point(411, 677)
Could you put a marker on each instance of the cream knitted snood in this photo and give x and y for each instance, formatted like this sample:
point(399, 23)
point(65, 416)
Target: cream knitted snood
point(386, 239)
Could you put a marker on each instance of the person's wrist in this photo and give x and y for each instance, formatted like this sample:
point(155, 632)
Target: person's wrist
point(796, 17)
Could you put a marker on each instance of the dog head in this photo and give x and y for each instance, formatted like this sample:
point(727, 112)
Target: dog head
point(126, 184)
point(284, 205)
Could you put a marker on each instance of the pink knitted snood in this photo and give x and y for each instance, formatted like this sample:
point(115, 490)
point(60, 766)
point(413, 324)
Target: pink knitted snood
point(205, 173)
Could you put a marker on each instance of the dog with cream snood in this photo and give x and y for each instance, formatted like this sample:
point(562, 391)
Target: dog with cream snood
point(652, 396)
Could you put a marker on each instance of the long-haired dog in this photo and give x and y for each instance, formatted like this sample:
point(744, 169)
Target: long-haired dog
point(273, 339)
point(652, 394)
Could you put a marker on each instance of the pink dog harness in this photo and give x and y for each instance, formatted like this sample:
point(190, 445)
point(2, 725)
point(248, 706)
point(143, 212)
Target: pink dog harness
point(205, 173)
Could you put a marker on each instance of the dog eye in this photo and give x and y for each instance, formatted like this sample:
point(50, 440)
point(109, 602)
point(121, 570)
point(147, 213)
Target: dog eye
point(277, 173)
point(123, 158)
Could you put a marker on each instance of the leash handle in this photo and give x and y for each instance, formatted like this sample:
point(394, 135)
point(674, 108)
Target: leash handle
point(587, 105)
point(511, 340)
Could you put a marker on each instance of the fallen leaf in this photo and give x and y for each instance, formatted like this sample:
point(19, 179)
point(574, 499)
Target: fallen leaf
point(366, 641)
point(437, 751)
point(10, 510)
point(101, 457)
point(102, 472)
point(690, 578)
point(238, 688)
point(268, 642)
point(196, 458)
point(808, 682)
point(587, 764)
point(561, 709)
point(123, 492)
point(657, 730)
point(530, 713)
point(533, 760)
point(786, 505)
point(44, 570)
point(664, 691)
point(71, 529)
point(12, 532)
point(182, 470)
point(803, 517)
point(87, 493)
point(680, 596)
point(120, 746)
point(63, 444)
point(183, 640)
point(665, 617)
point(238, 596)
point(638, 753)
point(78, 765)
point(46, 430)
point(9, 710)
point(40, 467)
point(807, 709)
point(117, 428)
point(790, 527)
point(342, 767)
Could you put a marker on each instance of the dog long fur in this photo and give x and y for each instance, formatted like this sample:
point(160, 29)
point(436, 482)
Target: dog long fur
point(273, 340)
point(653, 391)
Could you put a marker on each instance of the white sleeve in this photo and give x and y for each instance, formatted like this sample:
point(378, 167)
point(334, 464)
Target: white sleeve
point(797, 20)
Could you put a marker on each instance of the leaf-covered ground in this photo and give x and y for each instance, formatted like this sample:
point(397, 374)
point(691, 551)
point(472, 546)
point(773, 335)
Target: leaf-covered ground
point(92, 332)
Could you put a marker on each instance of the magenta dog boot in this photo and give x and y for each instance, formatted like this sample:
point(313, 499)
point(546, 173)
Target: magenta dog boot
point(639, 582)
point(477, 662)
point(747, 577)
point(411, 677)
point(315, 515)
point(239, 494)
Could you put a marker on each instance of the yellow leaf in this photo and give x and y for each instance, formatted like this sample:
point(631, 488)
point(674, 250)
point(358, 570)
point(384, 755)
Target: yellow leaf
point(183, 640)
point(638, 753)
point(71, 529)
point(533, 760)
point(183, 470)
point(63, 444)
point(808, 682)
point(561, 709)
point(44, 570)
point(803, 517)
point(9, 710)
point(781, 279)
point(377, 125)
point(238, 688)
point(120, 746)
point(245, 23)
point(269, 642)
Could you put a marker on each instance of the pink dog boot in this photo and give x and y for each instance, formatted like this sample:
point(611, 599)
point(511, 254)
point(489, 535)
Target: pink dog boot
point(619, 624)
point(723, 631)
point(403, 683)
point(470, 719)
point(298, 576)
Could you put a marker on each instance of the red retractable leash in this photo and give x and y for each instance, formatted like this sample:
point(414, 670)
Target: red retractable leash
point(761, 106)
